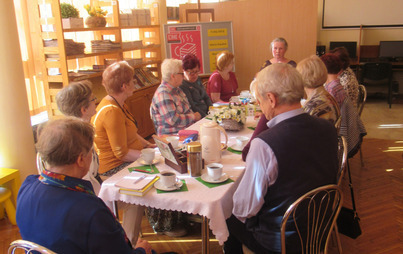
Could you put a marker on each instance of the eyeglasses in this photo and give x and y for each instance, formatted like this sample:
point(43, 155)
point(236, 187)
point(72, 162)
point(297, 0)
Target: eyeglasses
point(180, 73)
point(93, 99)
point(193, 72)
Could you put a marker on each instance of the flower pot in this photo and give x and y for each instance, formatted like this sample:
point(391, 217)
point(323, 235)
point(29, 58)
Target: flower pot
point(73, 23)
point(93, 21)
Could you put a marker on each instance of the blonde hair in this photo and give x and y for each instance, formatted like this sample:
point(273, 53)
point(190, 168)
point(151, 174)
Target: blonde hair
point(73, 97)
point(115, 75)
point(223, 59)
point(313, 71)
point(61, 141)
point(283, 81)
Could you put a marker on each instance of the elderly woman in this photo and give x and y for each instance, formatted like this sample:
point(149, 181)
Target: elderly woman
point(319, 102)
point(193, 87)
point(278, 48)
point(347, 77)
point(58, 209)
point(117, 142)
point(170, 109)
point(222, 84)
point(77, 100)
point(332, 85)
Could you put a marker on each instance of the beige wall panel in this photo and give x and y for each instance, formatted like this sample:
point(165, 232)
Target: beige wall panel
point(257, 22)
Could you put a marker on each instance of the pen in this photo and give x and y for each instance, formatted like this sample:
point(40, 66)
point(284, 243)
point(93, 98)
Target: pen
point(141, 170)
point(141, 178)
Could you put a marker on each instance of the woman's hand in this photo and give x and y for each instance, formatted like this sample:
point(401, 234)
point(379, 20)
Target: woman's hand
point(145, 245)
point(150, 145)
point(215, 97)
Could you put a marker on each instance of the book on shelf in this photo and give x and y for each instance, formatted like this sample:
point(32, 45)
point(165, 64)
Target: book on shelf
point(136, 184)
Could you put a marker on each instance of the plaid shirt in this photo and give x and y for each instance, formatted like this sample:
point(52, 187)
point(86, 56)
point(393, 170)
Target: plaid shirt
point(170, 110)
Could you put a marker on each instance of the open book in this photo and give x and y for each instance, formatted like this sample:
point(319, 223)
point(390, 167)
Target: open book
point(136, 184)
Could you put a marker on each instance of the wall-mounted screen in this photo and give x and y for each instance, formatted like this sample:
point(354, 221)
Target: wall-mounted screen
point(391, 49)
point(351, 47)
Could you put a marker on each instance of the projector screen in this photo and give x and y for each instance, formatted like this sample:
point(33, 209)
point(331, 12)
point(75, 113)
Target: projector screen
point(368, 13)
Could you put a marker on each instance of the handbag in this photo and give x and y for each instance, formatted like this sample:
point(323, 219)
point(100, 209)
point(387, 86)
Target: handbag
point(348, 222)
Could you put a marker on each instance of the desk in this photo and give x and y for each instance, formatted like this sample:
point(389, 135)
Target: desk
point(11, 176)
point(214, 205)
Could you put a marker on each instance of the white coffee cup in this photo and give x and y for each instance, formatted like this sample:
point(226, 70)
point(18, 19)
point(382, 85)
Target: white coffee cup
point(148, 155)
point(214, 171)
point(174, 140)
point(168, 178)
point(241, 142)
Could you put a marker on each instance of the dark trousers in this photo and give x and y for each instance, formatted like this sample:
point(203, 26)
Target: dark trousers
point(238, 235)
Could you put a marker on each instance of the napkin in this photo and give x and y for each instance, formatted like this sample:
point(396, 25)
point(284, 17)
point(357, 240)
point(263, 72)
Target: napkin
point(184, 187)
point(234, 151)
point(144, 169)
point(212, 185)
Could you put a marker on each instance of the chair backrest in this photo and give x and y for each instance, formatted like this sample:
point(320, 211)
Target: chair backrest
point(28, 247)
point(342, 156)
point(312, 217)
point(376, 71)
point(338, 123)
point(362, 97)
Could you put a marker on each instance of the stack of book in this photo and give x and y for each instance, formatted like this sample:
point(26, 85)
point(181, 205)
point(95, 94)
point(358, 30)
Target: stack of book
point(145, 77)
point(136, 184)
point(104, 45)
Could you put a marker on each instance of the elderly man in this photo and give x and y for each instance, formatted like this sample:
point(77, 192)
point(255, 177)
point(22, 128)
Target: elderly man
point(295, 155)
point(170, 109)
point(58, 209)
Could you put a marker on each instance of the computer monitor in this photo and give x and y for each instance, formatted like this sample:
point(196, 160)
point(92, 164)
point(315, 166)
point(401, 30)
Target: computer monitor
point(351, 47)
point(391, 49)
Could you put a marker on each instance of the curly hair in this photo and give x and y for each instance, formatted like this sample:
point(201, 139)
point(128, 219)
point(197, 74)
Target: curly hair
point(190, 61)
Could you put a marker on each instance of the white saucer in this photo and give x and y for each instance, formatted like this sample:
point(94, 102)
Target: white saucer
point(158, 185)
point(205, 177)
point(156, 160)
point(236, 148)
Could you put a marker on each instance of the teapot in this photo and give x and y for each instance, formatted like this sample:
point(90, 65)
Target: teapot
point(210, 139)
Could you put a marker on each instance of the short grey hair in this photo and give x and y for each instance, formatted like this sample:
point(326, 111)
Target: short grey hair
point(73, 97)
point(170, 66)
point(279, 39)
point(283, 81)
point(62, 141)
point(313, 71)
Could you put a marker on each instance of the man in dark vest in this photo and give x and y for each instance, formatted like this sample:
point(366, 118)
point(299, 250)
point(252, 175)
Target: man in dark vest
point(296, 154)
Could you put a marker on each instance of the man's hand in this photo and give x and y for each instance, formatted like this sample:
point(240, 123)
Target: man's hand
point(197, 116)
point(144, 244)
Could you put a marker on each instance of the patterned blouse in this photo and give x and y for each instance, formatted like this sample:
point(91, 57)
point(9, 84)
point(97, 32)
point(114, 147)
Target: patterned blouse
point(170, 110)
point(337, 91)
point(322, 105)
point(349, 82)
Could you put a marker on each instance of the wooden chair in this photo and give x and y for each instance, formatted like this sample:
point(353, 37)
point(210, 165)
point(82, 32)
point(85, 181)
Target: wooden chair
point(5, 200)
point(312, 217)
point(28, 247)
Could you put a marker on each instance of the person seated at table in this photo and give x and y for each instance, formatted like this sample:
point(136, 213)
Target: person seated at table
point(319, 102)
point(348, 80)
point(58, 209)
point(222, 84)
point(170, 109)
point(332, 85)
point(278, 49)
point(260, 200)
point(351, 126)
point(77, 100)
point(193, 87)
point(117, 142)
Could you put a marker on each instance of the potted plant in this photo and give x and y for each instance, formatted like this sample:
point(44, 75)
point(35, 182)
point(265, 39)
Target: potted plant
point(231, 118)
point(70, 16)
point(97, 16)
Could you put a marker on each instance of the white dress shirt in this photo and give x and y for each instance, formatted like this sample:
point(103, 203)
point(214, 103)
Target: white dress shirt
point(261, 172)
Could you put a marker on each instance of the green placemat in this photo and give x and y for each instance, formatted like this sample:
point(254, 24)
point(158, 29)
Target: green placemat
point(234, 151)
point(252, 128)
point(212, 185)
point(184, 187)
point(145, 169)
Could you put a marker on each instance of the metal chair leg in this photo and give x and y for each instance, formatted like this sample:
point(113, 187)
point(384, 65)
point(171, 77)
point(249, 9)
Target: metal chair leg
point(362, 159)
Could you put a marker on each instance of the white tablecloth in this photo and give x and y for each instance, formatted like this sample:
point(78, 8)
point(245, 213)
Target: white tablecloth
point(213, 203)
